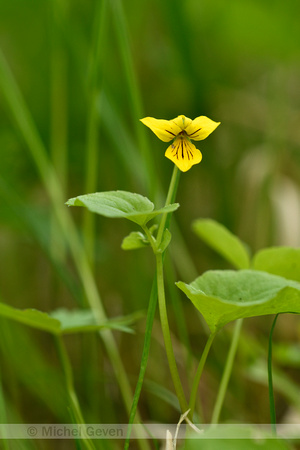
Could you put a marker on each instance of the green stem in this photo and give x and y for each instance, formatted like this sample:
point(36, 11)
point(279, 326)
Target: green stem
point(197, 377)
point(74, 404)
point(162, 299)
point(270, 378)
point(227, 372)
point(167, 335)
point(170, 199)
point(151, 308)
point(151, 239)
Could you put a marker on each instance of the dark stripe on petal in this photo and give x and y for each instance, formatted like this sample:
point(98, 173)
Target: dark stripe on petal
point(190, 149)
point(194, 132)
point(187, 150)
point(172, 133)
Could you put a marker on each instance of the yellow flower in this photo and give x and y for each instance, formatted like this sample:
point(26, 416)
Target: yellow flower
point(182, 129)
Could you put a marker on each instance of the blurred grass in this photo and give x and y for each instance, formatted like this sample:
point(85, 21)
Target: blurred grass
point(88, 71)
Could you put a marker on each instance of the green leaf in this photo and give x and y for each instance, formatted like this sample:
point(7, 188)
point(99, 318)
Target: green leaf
point(121, 204)
point(72, 321)
point(165, 241)
point(223, 241)
point(224, 296)
point(283, 261)
point(83, 320)
point(64, 321)
point(31, 317)
point(134, 240)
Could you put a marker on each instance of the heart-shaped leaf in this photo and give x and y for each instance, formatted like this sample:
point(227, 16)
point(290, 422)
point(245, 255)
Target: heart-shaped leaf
point(224, 296)
point(223, 241)
point(283, 261)
point(121, 204)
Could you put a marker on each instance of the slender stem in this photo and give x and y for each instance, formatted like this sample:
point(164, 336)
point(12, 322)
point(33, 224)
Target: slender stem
point(197, 377)
point(227, 372)
point(167, 335)
point(170, 198)
point(74, 403)
point(270, 378)
point(151, 311)
point(151, 239)
point(162, 299)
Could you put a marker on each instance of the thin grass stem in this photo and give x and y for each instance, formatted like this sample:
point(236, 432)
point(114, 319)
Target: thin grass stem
point(270, 378)
point(227, 372)
point(178, 311)
point(197, 377)
point(94, 87)
point(134, 93)
point(167, 335)
point(74, 403)
point(144, 359)
point(58, 132)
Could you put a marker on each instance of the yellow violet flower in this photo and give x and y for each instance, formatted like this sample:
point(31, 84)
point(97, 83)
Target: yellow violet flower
point(182, 129)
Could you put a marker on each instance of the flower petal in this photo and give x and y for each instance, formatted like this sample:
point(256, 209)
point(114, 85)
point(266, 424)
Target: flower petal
point(182, 122)
point(166, 130)
point(183, 153)
point(200, 128)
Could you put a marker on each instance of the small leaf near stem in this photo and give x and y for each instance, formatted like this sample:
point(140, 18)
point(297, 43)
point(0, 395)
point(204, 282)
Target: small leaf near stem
point(270, 378)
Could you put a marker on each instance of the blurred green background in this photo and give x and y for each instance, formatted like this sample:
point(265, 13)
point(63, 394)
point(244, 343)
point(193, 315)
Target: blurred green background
point(87, 72)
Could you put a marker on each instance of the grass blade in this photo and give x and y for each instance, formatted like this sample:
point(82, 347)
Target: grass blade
point(26, 125)
point(94, 87)
point(270, 378)
point(134, 93)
